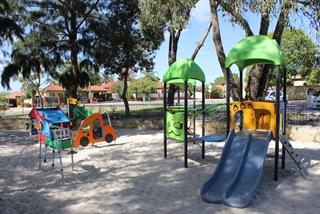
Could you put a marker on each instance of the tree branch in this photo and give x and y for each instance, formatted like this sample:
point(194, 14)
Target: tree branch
point(219, 47)
point(201, 42)
point(238, 17)
point(282, 20)
point(265, 18)
point(87, 14)
point(50, 26)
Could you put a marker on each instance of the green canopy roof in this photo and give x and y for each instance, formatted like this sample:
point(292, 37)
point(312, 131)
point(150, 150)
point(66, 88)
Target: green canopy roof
point(256, 50)
point(183, 70)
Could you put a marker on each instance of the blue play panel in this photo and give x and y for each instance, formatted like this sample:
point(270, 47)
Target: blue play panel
point(53, 115)
point(213, 138)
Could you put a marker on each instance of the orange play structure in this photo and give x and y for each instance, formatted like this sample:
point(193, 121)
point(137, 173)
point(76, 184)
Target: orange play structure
point(256, 115)
point(92, 130)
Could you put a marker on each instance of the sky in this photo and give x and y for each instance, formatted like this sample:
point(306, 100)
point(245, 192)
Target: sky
point(194, 31)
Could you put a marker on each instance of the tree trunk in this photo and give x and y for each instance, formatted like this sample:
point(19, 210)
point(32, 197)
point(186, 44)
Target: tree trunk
point(219, 48)
point(172, 57)
point(73, 91)
point(40, 96)
point(125, 92)
point(260, 74)
point(201, 42)
point(74, 49)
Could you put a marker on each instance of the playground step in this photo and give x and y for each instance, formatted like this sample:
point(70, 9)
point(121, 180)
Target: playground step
point(300, 162)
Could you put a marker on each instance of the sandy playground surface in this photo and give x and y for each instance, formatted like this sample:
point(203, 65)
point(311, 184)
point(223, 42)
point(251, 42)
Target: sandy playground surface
point(131, 176)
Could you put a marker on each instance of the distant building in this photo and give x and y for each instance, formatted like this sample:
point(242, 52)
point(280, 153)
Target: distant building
point(110, 87)
point(95, 93)
point(159, 90)
point(298, 80)
point(14, 98)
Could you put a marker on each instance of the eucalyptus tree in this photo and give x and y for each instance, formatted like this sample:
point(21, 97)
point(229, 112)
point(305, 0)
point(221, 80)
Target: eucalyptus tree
point(119, 46)
point(280, 11)
point(160, 16)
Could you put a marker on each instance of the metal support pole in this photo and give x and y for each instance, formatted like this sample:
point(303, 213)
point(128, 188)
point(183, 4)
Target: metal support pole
point(72, 151)
point(194, 115)
point(53, 157)
point(165, 120)
point(284, 116)
point(39, 140)
point(203, 120)
point(276, 156)
point(228, 101)
point(178, 95)
point(45, 153)
point(241, 97)
point(61, 166)
point(185, 124)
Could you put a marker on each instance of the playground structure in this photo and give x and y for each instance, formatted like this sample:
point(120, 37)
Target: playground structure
point(93, 129)
point(238, 173)
point(76, 113)
point(53, 130)
point(91, 126)
point(185, 73)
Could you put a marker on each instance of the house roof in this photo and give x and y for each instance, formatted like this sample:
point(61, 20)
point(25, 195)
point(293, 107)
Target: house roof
point(15, 94)
point(159, 85)
point(94, 88)
point(58, 88)
point(53, 88)
point(108, 85)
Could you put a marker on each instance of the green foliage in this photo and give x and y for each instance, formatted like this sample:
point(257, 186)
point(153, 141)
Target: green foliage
point(119, 44)
point(157, 15)
point(65, 30)
point(119, 90)
point(144, 85)
point(301, 53)
point(119, 87)
point(3, 97)
point(221, 80)
point(9, 26)
point(3, 101)
point(215, 91)
point(29, 61)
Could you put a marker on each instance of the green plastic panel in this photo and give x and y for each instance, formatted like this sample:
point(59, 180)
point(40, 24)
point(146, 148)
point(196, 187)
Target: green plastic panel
point(58, 144)
point(175, 125)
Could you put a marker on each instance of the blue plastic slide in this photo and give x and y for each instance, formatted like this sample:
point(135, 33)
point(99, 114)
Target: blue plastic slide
point(239, 170)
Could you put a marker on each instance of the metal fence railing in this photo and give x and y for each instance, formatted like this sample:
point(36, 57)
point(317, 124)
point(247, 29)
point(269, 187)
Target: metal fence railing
point(297, 111)
point(137, 108)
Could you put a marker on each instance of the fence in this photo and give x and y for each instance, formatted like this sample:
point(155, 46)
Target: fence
point(300, 92)
point(137, 108)
point(297, 111)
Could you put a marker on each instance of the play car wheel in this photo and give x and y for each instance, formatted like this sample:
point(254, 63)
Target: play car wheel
point(109, 138)
point(84, 141)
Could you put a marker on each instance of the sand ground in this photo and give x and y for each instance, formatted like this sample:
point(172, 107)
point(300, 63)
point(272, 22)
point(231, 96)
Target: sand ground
point(131, 176)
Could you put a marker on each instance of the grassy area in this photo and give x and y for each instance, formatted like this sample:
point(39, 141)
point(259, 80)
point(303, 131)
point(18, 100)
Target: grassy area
point(14, 117)
point(135, 110)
